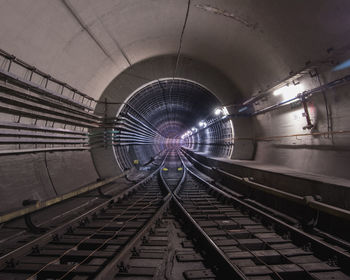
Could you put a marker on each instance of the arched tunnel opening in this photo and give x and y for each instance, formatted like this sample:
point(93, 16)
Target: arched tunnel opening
point(168, 139)
point(170, 113)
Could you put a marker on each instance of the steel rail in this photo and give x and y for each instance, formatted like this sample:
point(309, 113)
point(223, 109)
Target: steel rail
point(108, 239)
point(303, 200)
point(320, 247)
point(46, 237)
point(229, 270)
point(112, 267)
point(259, 259)
point(307, 201)
point(91, 235)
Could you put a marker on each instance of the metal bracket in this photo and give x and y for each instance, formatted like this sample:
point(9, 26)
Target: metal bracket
point(28, 219)
point(132, 181)
point(103, 195)
point(310, 223)
point(309, 124)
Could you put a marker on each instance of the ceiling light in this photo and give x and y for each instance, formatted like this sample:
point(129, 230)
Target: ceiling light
point(202, 124)
point(217, 111)
point(341, 66)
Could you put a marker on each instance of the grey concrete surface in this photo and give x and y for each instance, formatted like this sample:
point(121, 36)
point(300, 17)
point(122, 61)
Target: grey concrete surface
point(332, 190)
point(235, 48)
point(133, 78)
point(254, 42)
point(29, 177)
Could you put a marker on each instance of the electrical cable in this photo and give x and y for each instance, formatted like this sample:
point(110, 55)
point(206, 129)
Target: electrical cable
point(328, 111)
point(179, 49)
point(49, 175)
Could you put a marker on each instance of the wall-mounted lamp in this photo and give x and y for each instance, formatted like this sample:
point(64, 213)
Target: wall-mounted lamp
point(221, 111)
point(202, 124)
point(289, 91)
point(225, 111)
point(217, 111)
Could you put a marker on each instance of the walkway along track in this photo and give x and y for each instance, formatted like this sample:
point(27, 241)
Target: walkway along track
point(176, 226)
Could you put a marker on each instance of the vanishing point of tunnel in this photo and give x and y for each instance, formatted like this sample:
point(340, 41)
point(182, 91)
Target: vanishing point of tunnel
point(174, 139)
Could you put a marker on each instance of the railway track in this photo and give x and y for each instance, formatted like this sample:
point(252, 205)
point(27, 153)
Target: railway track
point(60, 249)
point(173, 170)
point(174, 224)
point(258, 245)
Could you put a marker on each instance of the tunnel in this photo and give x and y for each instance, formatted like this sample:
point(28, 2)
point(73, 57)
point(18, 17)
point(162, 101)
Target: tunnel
point(174, 139)
point(170, 110)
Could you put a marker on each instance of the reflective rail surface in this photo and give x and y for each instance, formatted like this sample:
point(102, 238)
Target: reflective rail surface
point(175, 224)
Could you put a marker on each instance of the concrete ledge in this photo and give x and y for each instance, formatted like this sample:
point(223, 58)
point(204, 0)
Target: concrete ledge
point(332, 190)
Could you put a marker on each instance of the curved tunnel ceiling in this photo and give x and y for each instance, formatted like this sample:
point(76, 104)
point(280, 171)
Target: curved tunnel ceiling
point(97, 46)
point(172, 106)
point(255, 43)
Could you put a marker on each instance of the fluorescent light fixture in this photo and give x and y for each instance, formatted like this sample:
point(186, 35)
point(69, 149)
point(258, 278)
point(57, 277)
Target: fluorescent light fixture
point(289, 91)
point(188, 133)
point(242, 109)
point(217, 111)
point(224, 111)
point(202, 124)
point(341, 66)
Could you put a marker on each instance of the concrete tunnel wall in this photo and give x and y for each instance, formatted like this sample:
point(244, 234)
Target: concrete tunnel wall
point(241, 48)
point(279, 134)
point(162, 67)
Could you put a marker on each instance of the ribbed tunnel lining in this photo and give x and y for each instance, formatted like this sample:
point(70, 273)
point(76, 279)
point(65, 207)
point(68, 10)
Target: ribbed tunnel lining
point(166, 114)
